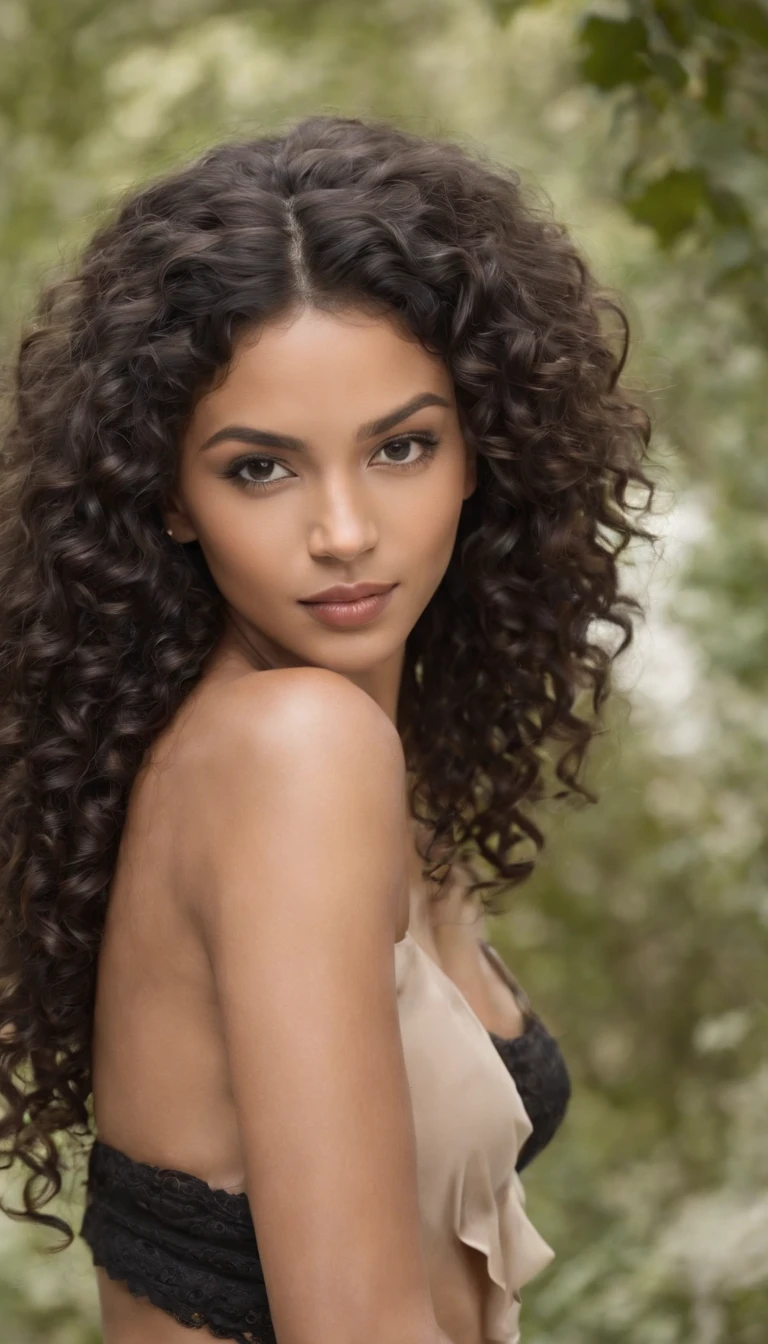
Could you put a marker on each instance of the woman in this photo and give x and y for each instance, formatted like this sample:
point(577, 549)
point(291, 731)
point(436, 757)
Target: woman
point(348, 359)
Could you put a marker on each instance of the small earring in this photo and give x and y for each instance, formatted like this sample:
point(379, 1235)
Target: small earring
point(168, 530)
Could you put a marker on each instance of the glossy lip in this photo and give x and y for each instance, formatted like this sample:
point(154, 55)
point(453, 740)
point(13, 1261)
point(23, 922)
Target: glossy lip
point(350, 615)
point(348, 592)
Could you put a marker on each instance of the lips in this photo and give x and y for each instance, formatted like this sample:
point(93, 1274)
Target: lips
point(350, 592)
point(361, 611)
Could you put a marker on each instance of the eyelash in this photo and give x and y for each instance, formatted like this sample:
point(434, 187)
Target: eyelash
point(429, 443)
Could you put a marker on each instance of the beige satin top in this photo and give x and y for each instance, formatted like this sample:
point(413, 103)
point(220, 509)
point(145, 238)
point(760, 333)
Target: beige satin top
point(470, 1126)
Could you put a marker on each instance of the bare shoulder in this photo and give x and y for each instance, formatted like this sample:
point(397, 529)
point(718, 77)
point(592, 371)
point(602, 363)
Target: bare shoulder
point(285, 707)
point(292, 763)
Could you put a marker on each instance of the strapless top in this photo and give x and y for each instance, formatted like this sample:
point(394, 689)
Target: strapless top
point(483, 1106)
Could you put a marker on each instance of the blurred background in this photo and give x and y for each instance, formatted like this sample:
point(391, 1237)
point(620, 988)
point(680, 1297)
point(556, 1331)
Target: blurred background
point(642, 937)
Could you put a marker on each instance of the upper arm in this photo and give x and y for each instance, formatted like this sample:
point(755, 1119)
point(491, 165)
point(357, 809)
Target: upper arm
point(301, 847)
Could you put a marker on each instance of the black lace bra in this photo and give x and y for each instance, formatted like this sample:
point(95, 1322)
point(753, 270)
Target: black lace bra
point(191, 1250)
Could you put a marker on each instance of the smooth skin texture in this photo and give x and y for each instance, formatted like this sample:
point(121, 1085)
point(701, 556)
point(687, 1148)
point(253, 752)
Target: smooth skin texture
point(246, 1022)
point(305, 975)
point(347, 506)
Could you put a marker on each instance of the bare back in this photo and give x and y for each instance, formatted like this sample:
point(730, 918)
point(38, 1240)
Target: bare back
point(160, 1077)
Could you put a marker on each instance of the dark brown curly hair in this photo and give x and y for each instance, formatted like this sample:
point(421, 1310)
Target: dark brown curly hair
point(105, 624)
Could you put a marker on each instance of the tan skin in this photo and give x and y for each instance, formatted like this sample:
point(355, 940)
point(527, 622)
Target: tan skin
point(246, 1021)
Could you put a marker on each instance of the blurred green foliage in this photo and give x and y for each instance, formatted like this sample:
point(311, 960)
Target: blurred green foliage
point(692, 81)
point(642, 935)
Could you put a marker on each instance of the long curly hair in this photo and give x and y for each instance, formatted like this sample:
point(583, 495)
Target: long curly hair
point(105, 624)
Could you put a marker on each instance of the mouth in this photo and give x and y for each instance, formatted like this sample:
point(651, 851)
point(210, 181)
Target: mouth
point(347, 594)
point(349, 614)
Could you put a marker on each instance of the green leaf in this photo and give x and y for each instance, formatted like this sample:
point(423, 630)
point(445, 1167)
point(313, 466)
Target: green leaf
point(671, 204)
point(677, 20)
point(728, 208)
point(715, 86)
point(748, 17)
point(616, 51)
point(668, 69)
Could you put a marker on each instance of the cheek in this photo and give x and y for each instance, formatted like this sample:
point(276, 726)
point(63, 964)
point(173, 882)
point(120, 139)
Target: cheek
point(250, 559)
point(433, 518)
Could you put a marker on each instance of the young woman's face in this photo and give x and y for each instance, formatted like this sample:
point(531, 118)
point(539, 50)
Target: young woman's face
point(290, 485)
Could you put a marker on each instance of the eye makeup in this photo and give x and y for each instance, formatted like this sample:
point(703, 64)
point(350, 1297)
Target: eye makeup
point(429, 444)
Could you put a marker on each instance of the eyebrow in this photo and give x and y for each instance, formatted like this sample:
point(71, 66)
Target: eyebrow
point(264, 438)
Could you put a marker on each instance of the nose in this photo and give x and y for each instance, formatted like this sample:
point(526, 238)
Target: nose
point(342, 523)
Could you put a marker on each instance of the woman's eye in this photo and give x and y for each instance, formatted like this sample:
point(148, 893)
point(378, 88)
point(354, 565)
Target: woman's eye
point(427, 443)
point(401, 450)
point(263, 464)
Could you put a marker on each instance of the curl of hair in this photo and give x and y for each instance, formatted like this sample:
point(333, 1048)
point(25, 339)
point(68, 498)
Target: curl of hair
point(105, 624)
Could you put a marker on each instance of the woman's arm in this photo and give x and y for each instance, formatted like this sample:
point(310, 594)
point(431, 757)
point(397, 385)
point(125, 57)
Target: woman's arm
point(300, 859)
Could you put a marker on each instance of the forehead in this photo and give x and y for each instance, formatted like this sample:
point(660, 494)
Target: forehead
point(339, 368)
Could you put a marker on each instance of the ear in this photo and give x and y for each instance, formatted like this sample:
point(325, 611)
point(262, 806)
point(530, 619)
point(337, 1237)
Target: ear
point(176, 520)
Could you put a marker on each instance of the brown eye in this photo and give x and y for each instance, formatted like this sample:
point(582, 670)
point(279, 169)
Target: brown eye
point(235, 470)
point(427, 442)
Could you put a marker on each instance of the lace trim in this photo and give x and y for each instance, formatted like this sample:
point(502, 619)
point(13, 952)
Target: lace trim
point(538, 1068)
point(536, 1064)
point(170, 1237)
point(191, 1250)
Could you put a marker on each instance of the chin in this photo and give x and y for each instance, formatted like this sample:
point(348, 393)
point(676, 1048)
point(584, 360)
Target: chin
point(354, 661)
